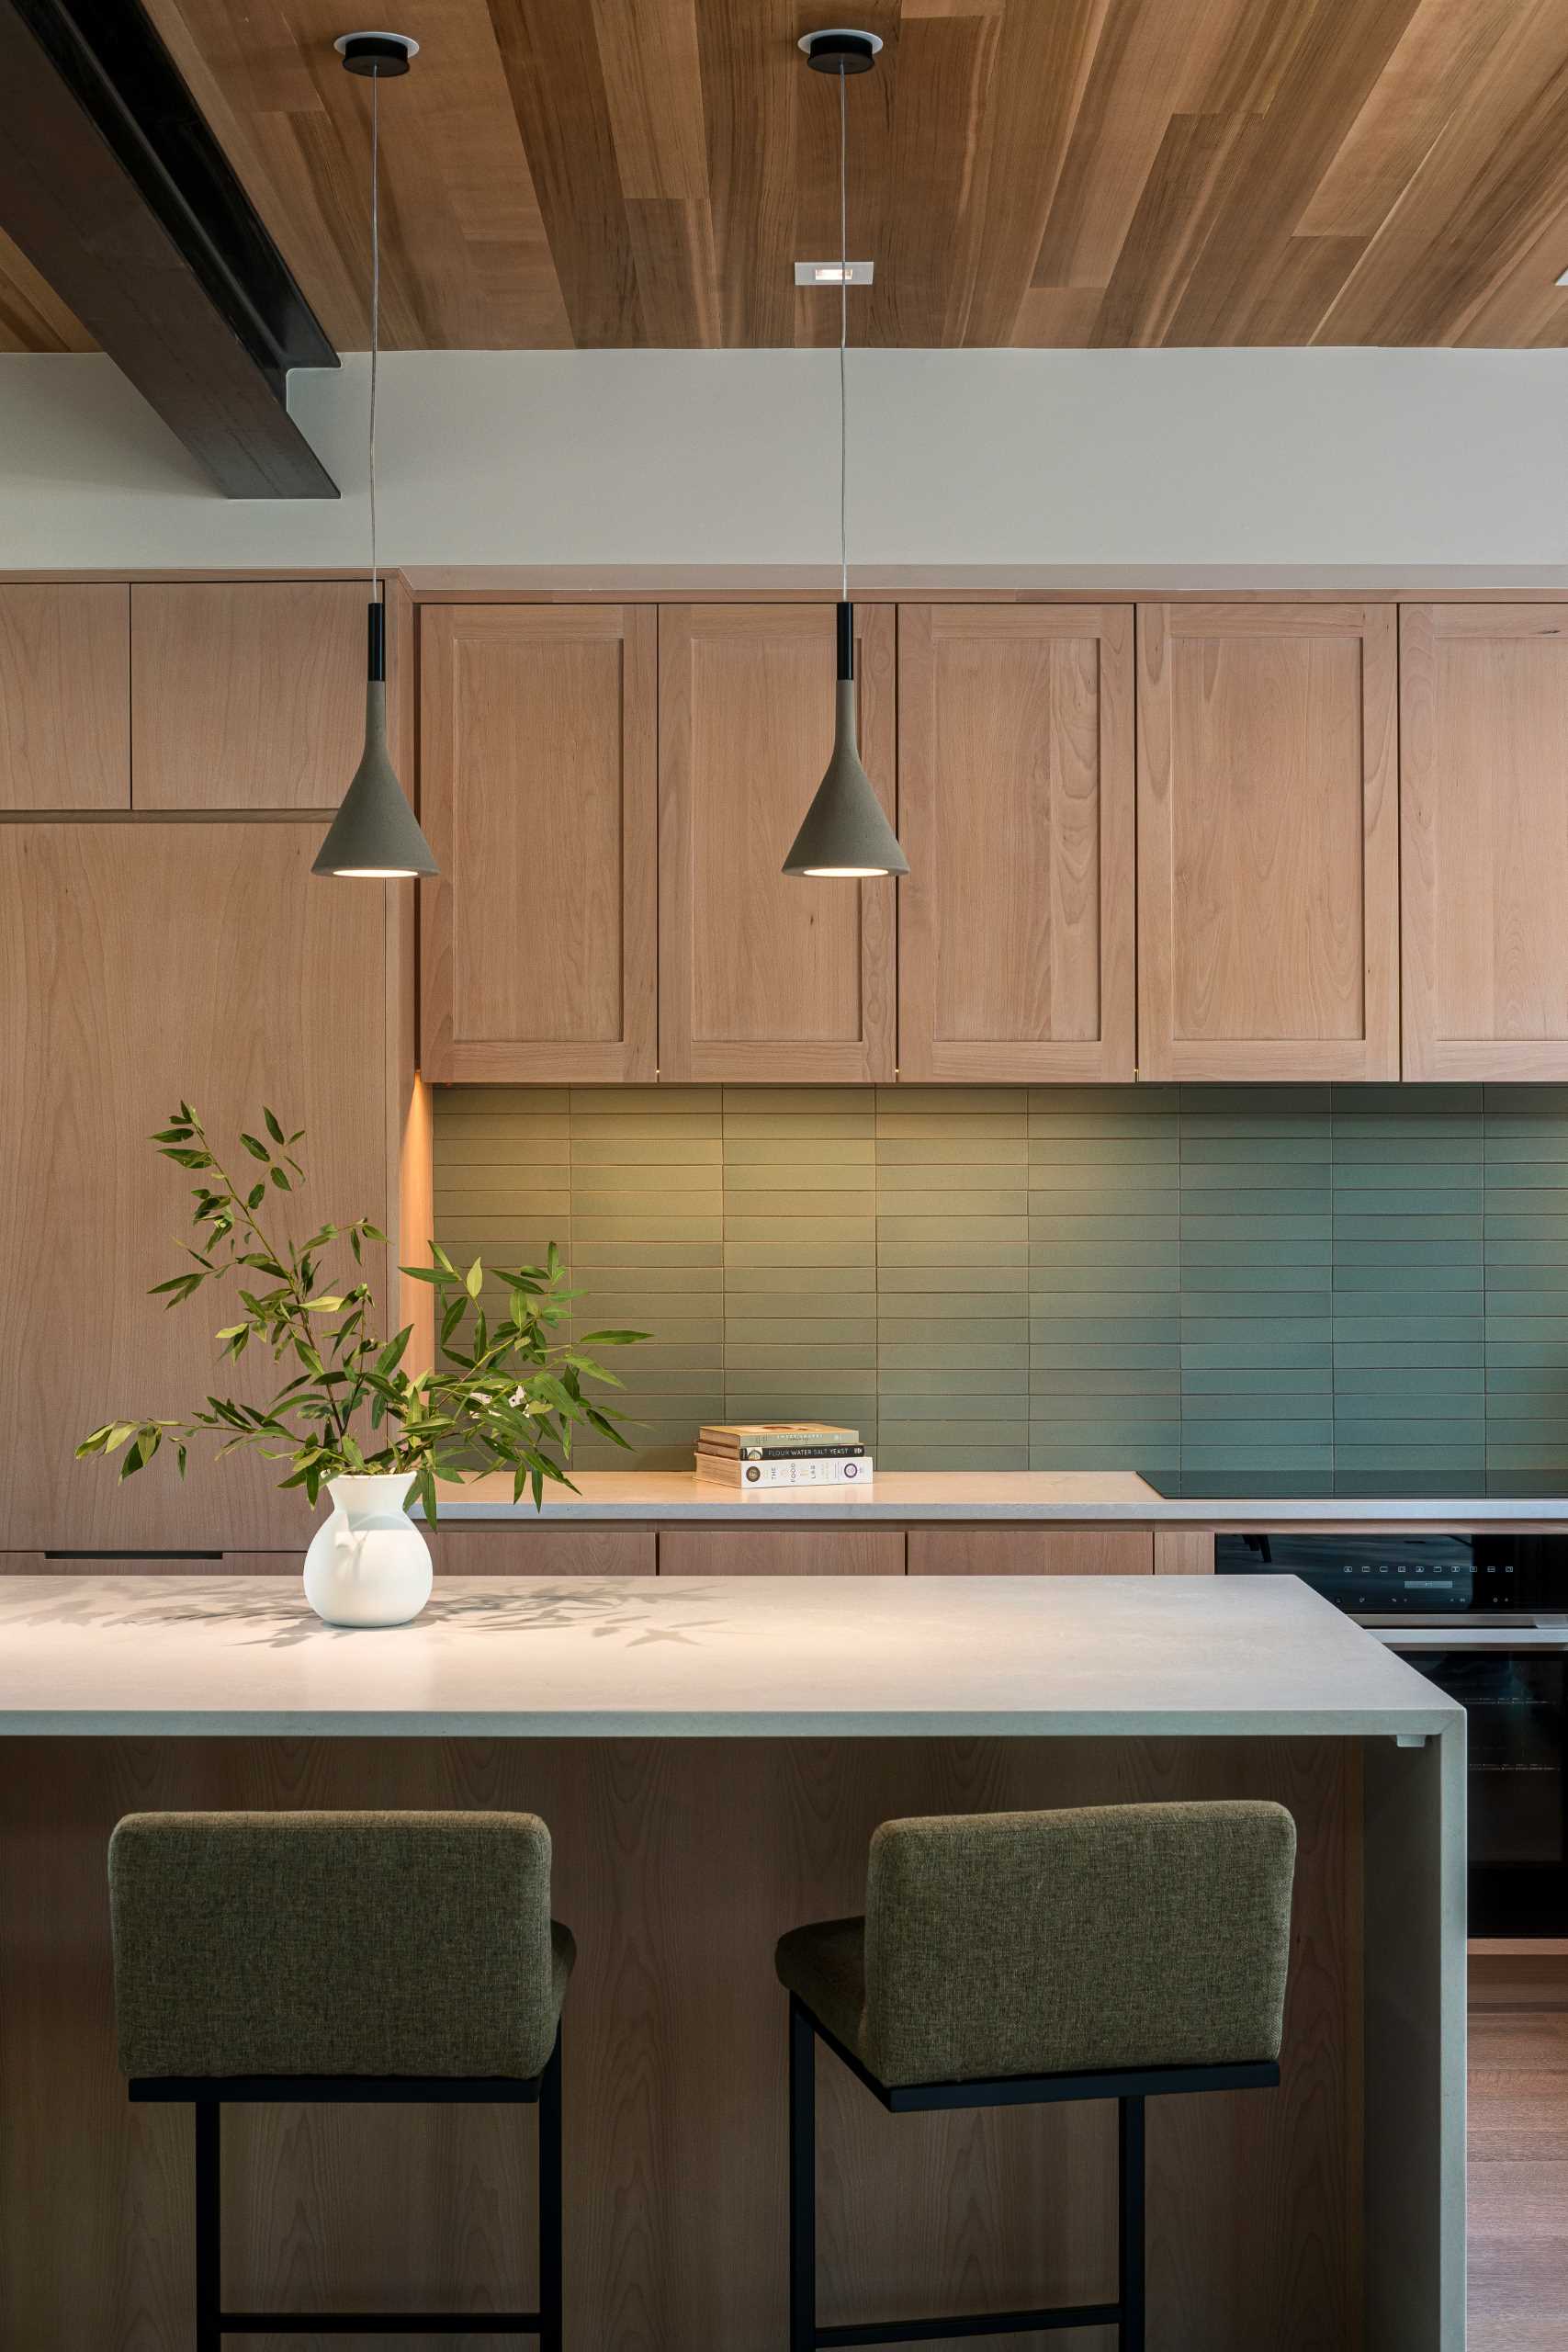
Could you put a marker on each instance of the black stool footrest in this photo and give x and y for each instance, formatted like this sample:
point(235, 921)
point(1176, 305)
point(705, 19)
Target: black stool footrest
point(378, 2323)
point(921, 2331)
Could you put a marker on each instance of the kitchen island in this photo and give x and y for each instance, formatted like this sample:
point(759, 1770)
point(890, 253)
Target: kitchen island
point(712, 1754)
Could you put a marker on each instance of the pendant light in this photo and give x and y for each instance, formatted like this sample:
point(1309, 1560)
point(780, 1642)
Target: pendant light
point(376, 835)
point(846, 836)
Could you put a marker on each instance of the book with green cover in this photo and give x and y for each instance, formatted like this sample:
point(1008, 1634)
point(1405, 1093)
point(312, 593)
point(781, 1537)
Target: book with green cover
point(777, 1441)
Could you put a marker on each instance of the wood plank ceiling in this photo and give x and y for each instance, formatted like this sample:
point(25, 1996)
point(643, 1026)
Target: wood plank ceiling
point(1025, 172)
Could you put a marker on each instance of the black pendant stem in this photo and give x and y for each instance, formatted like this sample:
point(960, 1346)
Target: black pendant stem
point(846, 640)
point(377, 645)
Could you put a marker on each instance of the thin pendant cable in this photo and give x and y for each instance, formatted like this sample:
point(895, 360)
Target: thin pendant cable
point(846, 835)
point(375, 303)
point(844, 342)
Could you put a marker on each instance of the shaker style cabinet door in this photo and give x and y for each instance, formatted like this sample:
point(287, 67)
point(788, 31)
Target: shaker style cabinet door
point(1484, 799)
point(246, 693)
point(141, 964)
point(537, 746)
point(1015, 804)
point(65, 696)
point(1267, 842)
point(763, 976)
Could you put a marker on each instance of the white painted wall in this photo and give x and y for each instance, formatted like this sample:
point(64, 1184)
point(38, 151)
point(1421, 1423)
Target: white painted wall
point(1438, 462)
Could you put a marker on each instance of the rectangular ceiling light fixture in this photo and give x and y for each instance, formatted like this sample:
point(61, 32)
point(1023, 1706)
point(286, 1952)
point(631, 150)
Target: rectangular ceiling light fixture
point(833, 273)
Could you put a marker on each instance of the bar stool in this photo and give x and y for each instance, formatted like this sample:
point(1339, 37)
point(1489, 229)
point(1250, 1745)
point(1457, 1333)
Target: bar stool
point(358, 1957)
point(1017, 1959)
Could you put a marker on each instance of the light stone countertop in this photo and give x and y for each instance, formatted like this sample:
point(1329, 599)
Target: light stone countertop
point(1042, 1497)
point(720, 1656)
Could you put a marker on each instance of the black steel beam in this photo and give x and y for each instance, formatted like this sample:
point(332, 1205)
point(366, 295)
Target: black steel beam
point(115, 188)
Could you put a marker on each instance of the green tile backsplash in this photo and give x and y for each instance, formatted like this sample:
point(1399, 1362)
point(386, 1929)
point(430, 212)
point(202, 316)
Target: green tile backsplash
point(1254, 1290)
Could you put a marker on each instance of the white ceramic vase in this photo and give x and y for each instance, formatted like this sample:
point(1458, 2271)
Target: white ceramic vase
point(368, 1564)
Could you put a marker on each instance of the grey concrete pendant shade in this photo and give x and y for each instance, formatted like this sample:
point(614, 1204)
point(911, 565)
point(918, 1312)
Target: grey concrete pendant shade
point(846, 835)
point(374, 834)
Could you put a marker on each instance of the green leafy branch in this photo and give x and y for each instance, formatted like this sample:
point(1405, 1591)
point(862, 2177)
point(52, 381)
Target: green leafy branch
point(506, 1392)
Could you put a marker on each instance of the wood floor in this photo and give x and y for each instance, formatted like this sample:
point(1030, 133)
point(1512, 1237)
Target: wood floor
point(1518, 2152)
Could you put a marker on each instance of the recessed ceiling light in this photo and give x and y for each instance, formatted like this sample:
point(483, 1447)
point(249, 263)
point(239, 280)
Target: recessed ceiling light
point(833, 273)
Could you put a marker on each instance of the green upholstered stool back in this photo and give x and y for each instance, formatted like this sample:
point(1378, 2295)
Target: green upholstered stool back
point(1114, 1936)
point(334, 1943)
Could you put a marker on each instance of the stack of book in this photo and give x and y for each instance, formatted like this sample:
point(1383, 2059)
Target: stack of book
point(751, 1454)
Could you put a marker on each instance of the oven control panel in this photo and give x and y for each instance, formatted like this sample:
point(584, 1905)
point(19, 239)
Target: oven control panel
point(1415, 1575)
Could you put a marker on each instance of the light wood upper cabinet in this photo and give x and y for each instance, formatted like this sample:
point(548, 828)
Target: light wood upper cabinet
point(139, 964)
point(1483, 791)
point(1267, 842)
point(761, 976)
point(246, 693)
point(65, 695)
point(1015, 807)
point(537, 751)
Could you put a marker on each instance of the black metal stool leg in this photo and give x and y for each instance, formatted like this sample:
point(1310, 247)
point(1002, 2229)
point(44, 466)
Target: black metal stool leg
point(802, 2179)
point(1130, 2221)
point(208, 2227)
point(550, 2202)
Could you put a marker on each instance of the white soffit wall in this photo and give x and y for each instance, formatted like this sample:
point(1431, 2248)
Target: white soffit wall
point(1207, 464)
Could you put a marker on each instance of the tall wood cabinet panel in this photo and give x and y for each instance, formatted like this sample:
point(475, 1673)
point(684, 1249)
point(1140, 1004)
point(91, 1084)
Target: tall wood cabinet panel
point(537, 752)
point(65, 695)
point(1484, 794)
point(760, 975)
point(1015, 809)
point(140, 964)
point(1267, 842)
point(246, 693)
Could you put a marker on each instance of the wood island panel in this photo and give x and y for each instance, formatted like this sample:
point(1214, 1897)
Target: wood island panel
point(675, 2067)
point(781, 1551)
point(1031, 1551)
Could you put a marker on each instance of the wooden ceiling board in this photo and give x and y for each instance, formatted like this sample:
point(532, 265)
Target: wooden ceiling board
point(1499, 167)
point(1444, 45)
point(1073, 173)
point(465, 260)
point(1332, 68)
point(946, 67)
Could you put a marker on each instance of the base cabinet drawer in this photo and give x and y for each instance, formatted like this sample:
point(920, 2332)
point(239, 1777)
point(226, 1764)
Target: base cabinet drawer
point(1031, 1551)
point(513, 1551)
point(781, 1551)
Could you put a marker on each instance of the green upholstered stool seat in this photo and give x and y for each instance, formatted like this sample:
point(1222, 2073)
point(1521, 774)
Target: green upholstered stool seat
point(335, 1943)
point(1112, 1937)
point(341, 1957)
point(1114, 1952)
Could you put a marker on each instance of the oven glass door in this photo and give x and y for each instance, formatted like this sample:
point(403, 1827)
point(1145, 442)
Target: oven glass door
point(1516, 1703)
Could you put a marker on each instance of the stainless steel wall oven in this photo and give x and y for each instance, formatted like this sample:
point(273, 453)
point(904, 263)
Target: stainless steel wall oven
point(1485, 1618)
